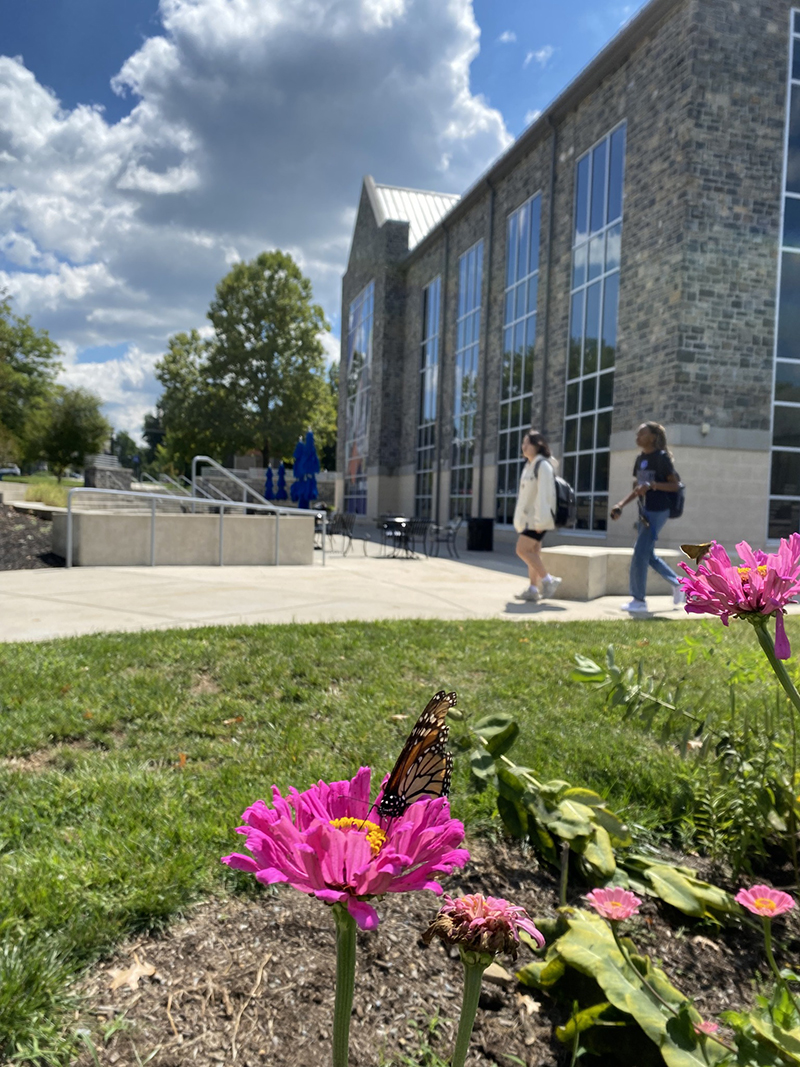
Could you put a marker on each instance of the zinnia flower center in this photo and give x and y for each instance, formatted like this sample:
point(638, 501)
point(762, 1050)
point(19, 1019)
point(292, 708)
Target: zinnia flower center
point(744, 571)
point(765, 903)
point(374, 834)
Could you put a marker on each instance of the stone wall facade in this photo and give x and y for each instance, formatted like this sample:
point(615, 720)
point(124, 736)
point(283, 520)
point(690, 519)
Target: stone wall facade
point(701, 89)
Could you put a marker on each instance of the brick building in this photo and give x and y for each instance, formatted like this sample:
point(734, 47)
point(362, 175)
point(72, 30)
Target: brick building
point(634, 255)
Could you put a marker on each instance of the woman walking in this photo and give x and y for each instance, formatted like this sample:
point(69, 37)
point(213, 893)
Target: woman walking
point(654, 479)
point(534, 515)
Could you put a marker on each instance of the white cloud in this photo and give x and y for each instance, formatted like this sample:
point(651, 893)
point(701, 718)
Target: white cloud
point(507, 37)
point(252, 124)
point(541, 55)
point(532, 116)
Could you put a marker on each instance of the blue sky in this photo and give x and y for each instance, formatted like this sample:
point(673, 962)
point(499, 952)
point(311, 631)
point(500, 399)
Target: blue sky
point(146, 146)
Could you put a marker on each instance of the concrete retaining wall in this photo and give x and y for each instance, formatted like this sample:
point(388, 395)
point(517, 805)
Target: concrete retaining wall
point(108, 539)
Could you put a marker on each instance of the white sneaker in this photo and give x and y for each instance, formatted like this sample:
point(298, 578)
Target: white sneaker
point(531, 594)
point(549, 586)
point(636, 607)
point(678, 596)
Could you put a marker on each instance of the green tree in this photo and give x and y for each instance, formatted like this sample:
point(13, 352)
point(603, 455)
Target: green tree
point(266, 355)
point(70, 427)
point(198, 415)
point(125, 448)
point(28, 367)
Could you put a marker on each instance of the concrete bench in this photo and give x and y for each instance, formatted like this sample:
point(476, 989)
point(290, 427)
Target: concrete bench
point(591, 572)
point(108, 539)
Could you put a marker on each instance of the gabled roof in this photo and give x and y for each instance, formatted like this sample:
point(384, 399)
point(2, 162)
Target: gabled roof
point(421, 210)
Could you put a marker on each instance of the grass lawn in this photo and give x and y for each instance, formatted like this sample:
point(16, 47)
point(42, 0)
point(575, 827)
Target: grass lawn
point(41, 478)
point(126, 760)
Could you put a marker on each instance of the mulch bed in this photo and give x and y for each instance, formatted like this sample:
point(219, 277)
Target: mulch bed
point(25, 541)
point(252, 982)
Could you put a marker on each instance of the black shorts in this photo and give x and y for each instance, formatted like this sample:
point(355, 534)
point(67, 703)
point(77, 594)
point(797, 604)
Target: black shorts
point(537, 535)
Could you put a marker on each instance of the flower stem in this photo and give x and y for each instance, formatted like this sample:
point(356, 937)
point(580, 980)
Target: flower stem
point(345, 982)
point(773, 965)
point(768, 648)
point(651, 991)
point(473, 972)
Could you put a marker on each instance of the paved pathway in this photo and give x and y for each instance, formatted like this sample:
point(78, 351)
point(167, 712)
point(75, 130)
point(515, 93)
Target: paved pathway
point(54, 603)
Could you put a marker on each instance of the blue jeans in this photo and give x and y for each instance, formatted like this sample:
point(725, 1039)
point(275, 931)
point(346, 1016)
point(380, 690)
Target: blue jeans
point(644, 554)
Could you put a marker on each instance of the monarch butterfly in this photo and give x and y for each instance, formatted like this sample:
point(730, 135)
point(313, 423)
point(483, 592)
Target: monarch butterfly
point(423, 767)
point(697, 552)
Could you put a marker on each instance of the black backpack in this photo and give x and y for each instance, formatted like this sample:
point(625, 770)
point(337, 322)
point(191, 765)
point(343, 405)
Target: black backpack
point(564, 515)
point(677, 500)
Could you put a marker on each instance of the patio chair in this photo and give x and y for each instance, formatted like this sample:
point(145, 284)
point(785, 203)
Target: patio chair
point(418, 530)
point(341, 524)
point(446, 535)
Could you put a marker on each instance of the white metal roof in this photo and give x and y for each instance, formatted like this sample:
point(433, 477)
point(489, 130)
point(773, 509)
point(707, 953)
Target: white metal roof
point(421, 210)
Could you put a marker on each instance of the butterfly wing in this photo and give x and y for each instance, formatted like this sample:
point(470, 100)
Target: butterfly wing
point(697, 552)
point(423, 767)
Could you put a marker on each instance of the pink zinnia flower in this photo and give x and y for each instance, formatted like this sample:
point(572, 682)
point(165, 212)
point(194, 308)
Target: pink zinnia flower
point(614, 904)
point(706, 1027)
point(763, 900)
point(482, 924)
point(763, 585)
point(321, 843)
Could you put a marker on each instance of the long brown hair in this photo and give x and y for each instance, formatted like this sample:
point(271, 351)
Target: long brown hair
point(660, 434)
point(538, 441)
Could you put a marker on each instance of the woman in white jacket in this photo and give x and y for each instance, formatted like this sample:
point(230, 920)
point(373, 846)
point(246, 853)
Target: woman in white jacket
point(534, 514)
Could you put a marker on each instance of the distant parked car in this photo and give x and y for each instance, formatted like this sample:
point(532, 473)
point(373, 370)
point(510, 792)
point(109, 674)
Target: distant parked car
point(9, 470)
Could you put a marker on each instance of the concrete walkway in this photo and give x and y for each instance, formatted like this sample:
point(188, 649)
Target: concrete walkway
point(40, 604)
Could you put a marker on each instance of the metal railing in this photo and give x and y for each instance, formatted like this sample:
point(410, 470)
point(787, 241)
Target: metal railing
point(229, 476)
point(220, 506)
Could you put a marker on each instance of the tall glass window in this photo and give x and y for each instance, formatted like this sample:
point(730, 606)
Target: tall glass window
point(428, 392)
point(465, 401)
point(519, 339)
point(784, 494)
point(359, 365)
point(594, 302)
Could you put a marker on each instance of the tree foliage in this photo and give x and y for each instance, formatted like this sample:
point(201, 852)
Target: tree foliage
point(260, 381)
point(70, 427)
point(28, 367)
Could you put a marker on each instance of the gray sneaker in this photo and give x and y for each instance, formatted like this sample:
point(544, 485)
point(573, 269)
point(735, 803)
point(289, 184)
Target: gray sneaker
point(549, 586)
point(528, 594)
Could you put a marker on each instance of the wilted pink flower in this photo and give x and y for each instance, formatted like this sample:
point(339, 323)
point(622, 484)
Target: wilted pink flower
point(614, 904)
point(763, 585)
point(763, 900)
point(706, 1027)
point(482, 924)
point(321, 843)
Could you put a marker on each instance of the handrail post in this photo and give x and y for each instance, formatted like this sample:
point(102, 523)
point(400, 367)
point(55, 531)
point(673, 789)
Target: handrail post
point(277, 534)
point(152, 533)
point(69, 528)
point(221, 531)
point(324, 534)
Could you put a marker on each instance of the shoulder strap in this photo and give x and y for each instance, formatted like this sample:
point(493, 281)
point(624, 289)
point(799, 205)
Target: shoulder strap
point(536, 466)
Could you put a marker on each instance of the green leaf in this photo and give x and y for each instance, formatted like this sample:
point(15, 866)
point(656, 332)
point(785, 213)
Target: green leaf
point(617, 830)
point(687, 893)
point(499, 731)
point(514, 816)
point(584, 796)
point(584, 1020)
point(543, 974)
point(589, 947)
point(509, 784)
point(569, 821)
point(587, 670)
point(482, 764)
point(599, 854)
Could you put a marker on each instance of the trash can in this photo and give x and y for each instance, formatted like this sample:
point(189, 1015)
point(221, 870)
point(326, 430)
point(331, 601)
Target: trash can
point(480, 535)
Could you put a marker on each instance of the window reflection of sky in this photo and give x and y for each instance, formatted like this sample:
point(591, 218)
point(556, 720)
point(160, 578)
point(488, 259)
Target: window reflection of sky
point(523, 233)
point(357, 407)
point(597, 238)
